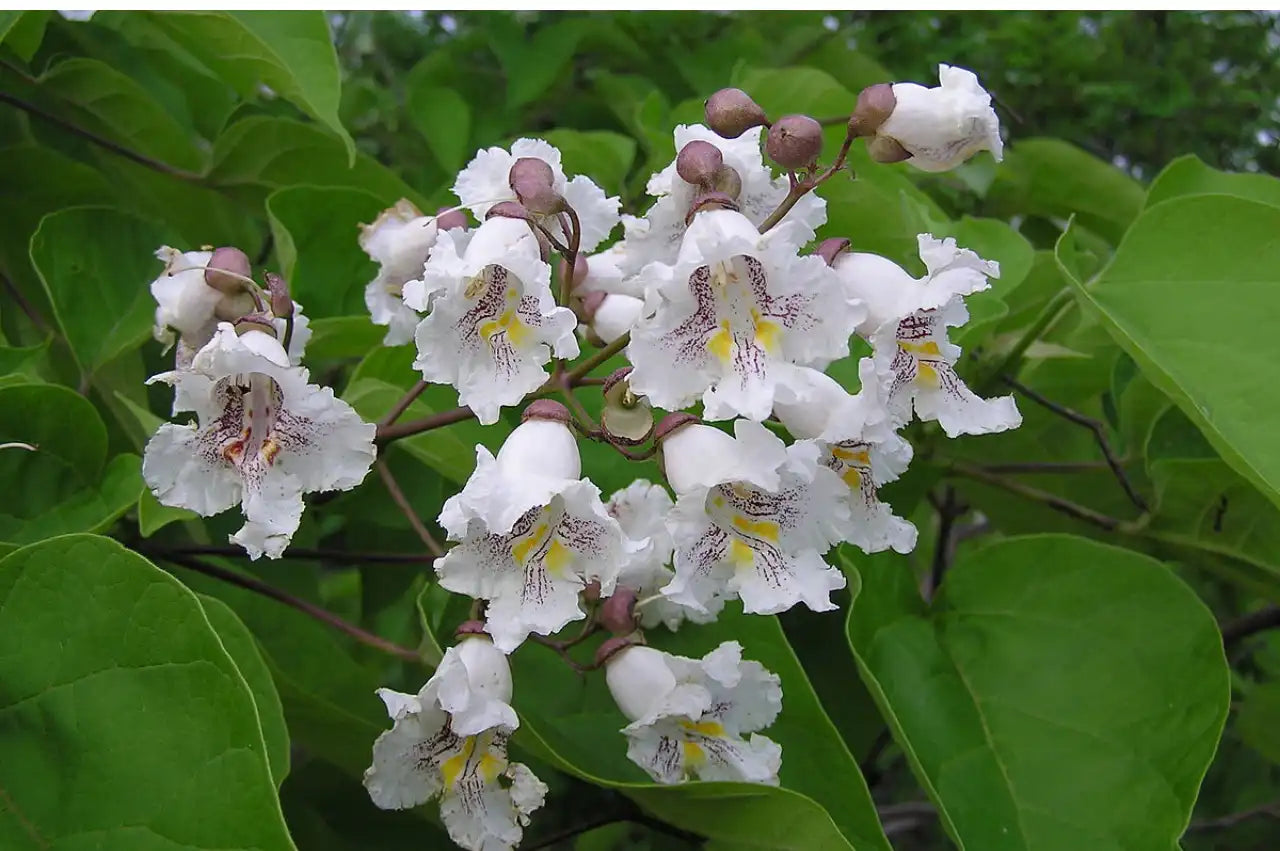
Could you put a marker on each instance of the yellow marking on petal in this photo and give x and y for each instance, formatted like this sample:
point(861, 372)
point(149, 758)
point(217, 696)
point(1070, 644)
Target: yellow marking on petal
point(767, 332)
point(721, 342)
point(926, 374)
point(528, 542)
point(508, 323)
point(852, 478)
point(759, 528)
point(694, 755)
point(559, 559)
point(491, 767)
point(452, 767)
point(928, 348)
point(270, 449)
point(706, 728)
point(857, 456)
point(741, 555)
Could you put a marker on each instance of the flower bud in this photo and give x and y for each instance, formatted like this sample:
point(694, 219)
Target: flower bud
point(611, 647)
point(580, 270)
point(618, 613)
point(732, 112)
point(830, 249)
point(875, 105)
point(540, 198)
point(546, 409)
point(224, 260)
point(281, 304)
point(886, 150)
point(508, 209)
point(254, 322)
point(469, 628)
point(626, 418)
point(709, 200)
point(698, 162)
point(941, 127)
point(638, 677)
point(591, 591)
point(448, 218)
point(586, 306)
point(794, 141)
point(531, 172)
point(728, 181)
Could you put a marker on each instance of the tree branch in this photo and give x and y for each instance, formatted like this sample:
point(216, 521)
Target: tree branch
point(388, 433)
point(1233, 632)
point(949, 511)
point(306, 553)
point(403, 404)
point(1071, 509)
point(1271, 809)
point(580, 371)
point(402, 501)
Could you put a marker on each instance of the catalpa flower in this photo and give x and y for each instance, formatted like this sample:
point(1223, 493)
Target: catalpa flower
point(641, 509)
point(485, 182)
point(531, 532)
point(656, 237)
point(450, 741)
point(493, 321)
point(751, 519)
point(856, 440)
point(943, 126)
point(689, 716)
point(398, 241)
point(732, 314)
point(263, 438)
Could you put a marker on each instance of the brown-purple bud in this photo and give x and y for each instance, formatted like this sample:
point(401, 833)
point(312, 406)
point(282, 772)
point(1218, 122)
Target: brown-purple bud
point(588, 304)
point(254, 322)
point(709, 200)
point(591, 591)
point(530, 171)
point(228, 260)
point(540, 198)
point(875, 105)
point(613, 646)
point(794, 141)
point(830, 249)
point(732, 112)
point(580, 270)
point(448, 218)
point(885, 150)
point(618, 613)
point(469, 628)
point(546, 409)
point(698, 162)
point(508, 209)
point(281, 304)
point(672, 423)
point(728, 181)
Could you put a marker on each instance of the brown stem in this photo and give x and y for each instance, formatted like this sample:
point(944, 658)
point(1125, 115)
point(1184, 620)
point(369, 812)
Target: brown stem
point(1048, 466)
point(23, 304)
point(305, 553)
point(258, 587)
point(395, 432)
point(580, 371)
point(560, 650)
point(1071, 509)
point(949, 511)
point(800, 188)
point(402, 501)
point(401, 406)
point(1241, 628)
point(1271, 808)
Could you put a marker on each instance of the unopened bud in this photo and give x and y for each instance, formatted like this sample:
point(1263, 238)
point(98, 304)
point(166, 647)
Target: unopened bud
point(448, 218)
point(227, 270)
point(546, 409)
point(672, 423)
point(580, 271)
point(254, 322)
point(540, 199)
point(530, 171)
point(698, 162)
point(591, 591)
point(613, 646)
point(886, 150)
point(587, 306)
point(509, 210)
point(830, 249)
point(472, 627)
point(710, 200)
point(281, 304)
point(618, 613)
point(875, 105)
point(728, 181)
point(794, 141)
point(732, 112)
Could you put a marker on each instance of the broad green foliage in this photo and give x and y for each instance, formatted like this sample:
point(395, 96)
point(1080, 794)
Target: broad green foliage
point(1051, 683)
point(106, 655)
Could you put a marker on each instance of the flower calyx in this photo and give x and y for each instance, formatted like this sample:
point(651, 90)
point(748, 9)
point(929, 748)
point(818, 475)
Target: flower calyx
point(875, 104)
point(618, 612)
point(611, 647)
point(794, 141)
point(228, 270)
point(732, 112)
point(627, 417)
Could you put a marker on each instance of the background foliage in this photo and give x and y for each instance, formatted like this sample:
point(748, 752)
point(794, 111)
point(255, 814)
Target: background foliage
point(1064, 688)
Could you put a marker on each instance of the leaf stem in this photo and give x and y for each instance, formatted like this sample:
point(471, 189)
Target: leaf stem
point(402, 502)
point(403, 404)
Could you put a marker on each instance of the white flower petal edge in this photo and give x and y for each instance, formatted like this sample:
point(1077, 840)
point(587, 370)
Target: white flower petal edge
point(656, 238)
point(493, 321)
point(735, 538)
point(485, 800)
point(616, 315)
point(484, 182)
point(689, 717)
point(735, 308)
point(264, 437)
point(942, 127)
point(399, 241)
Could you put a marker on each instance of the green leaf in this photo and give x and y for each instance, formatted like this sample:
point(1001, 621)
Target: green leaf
point(992, 239)
point(440, 449)
point(1054, 682)
point(1256, 723)
point(1190, 276)
point(243, 650)
point(316, 230)
point(22, 32)
point(1190, 176)
point(126, 720)
point(95, 263)
point(18, 358)
point(443, 117)
point(153, 516)
point(92, 509)
point(343, 337)
point(875, 220)
point(532, 63)
point(289, 52)
point(69, 437)
point(603, 156)
point(1055, 179)
point(823, 802)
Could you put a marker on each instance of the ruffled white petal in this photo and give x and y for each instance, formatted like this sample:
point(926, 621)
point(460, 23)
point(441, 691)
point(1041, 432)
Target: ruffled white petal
point(473, 684)
point(942, 127)
point(616, 315)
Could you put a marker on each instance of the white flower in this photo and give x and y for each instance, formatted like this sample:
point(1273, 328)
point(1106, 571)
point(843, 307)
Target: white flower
point(688, 717)
point(605, 274)
point(857, 443)
point(192, 308)
point(264, 437)
point(493, 321)
point(889, 293)
point(657, 236)
point(641, 509)
point(438, 747)
point(616, 315)
point(751, 519)
point(484, 182)
point(531, 535)
point(398, 241)
point(733, 311)
point(944, 126)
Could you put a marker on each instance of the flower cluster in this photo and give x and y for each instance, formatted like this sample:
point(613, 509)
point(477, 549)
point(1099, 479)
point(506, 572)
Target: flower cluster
point(720, 303)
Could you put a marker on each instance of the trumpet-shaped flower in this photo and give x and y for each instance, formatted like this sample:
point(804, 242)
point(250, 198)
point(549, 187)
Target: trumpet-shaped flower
point(942, 127)
point(398, 241)
point(493, 321)
point(263, 438)
point(657, 236)
point(751, 519)
point(485, 182)
point(450, 740)
point(531, 534)
point(641, 509)
point(689, 717)
point(732, 314)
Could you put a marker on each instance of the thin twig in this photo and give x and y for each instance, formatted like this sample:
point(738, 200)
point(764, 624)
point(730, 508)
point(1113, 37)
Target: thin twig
point(1117, 469)
point(949, 511)
point(259, 587)
point(23, 304)
point(1271, 809)
point(319, 554)
point(1049, 466)
point(402, 501)
point(444, 418)
point(560, 650)
point(1071, 509)
point(107, 144)
point(1242, 627)
point(403, 404)
point(900, 818)
point(800, 188)
point(580, 371)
